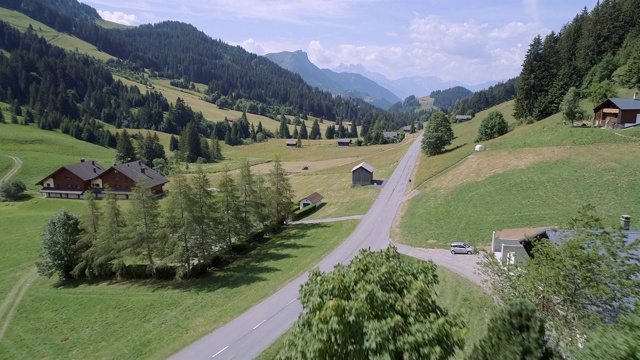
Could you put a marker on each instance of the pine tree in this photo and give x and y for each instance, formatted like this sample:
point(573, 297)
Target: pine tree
point(190, 143)
point(174, 143)
point(90, 224)
point(295, 134)
point(528, 90)
point(283, 132)
point(125, 151)
point(202, 216)
point(110, 237)
point(176, 222)
point(143, 225)
point(281, 194)
point(315, 131)
point(353, 132)
point(230, 211)
point(2, 121)
point(248, 199)
point(303, 131)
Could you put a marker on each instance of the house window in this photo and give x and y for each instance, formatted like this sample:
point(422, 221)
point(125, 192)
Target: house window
point(511, 258)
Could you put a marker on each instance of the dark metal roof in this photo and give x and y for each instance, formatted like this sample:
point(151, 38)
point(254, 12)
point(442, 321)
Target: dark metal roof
point(85, 170)
point(622, 103)
point(363, 165)
point(348, 141)
point(136, 170)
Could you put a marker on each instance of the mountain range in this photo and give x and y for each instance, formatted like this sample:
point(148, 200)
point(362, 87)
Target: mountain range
point(410, 85)
point(348, 84)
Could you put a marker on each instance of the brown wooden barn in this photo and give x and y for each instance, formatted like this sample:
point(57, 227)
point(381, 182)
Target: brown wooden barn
point(122, 178)
point(617, 113)
point(344, 142)
point(362, 174)
point(71, 181)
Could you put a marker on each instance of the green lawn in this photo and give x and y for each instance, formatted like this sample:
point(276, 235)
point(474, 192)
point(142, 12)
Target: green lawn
point(5, 165)
point(455, 293)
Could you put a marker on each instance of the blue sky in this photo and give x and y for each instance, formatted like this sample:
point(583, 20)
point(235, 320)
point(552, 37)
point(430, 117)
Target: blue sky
point(467, 41)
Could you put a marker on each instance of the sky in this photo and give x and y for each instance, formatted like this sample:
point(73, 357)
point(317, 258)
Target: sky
point(469, 41)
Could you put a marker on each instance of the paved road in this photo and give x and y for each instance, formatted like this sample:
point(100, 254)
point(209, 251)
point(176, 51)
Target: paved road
point(249, 334)
point(16, 167)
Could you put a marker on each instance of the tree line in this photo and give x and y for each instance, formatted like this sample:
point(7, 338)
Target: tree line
point(189, 232)
point(595, 52)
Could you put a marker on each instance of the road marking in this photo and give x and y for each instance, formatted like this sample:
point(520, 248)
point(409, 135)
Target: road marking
point(262, 322)
point(218, 353)
point(289, 303)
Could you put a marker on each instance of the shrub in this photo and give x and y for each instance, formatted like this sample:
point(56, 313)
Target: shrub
point(11, 190)
point(241, 247)
point(199, 270)
point(219, 260)
point(492, 126)
point(137, 271)
point(165, 272)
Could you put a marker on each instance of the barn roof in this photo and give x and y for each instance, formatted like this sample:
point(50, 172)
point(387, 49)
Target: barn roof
point(621, 103)
point(363, 165)
point(85, 170)
point(348, 141)
point(135, 170)
point(314, 198)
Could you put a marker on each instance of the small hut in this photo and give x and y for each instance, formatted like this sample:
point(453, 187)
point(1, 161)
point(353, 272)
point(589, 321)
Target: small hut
point(313, 199)
point(362, 174)
point(479, 147)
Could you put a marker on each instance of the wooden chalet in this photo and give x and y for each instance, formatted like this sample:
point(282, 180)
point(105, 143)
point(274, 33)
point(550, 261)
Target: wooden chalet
point(344, 142)
point(617, 113)
point(71, 181)
point(362, 174)
point(313, 199)
point(122, 178)
point(389, 135)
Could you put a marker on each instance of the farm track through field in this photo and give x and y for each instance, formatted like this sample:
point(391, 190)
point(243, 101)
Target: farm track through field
point(11, 302)
point(13, 299)
point(16, 167)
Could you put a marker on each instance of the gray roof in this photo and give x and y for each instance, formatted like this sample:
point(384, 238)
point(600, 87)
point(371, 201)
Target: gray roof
point(136, 170)
point(623, 103)
point(363, 165)
point(85, 170)
point(464, 117)
point(344, 141)
point(389, 134)
point(314, 198)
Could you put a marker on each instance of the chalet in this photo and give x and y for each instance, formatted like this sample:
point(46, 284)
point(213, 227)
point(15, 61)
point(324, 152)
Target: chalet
point(389, 135)
point(406, 129)
point(313, 199)
point(291, 143)
point(617, 113)
point(463, 118)
point(122, 178)
point(344, 142)
point(362, 174)
point(71, 181)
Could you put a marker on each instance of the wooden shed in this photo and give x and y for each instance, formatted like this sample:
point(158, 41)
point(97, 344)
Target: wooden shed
point(617, 113)
point(362, 174)
point(344, 142)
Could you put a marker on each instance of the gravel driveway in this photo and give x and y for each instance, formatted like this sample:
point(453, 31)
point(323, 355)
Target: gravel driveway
point(464, 265)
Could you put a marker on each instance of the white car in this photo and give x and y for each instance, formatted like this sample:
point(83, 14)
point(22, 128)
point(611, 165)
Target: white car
point(461, 248)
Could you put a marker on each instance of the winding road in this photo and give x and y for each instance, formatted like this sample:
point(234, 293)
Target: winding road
point(249, 334)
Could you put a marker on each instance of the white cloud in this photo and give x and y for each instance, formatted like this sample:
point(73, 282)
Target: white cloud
point(252, 46)
point(531, 8)
point(119, 17)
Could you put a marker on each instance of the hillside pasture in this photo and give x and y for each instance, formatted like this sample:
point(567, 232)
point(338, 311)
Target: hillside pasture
point(65, 41)
point(5, 165)
point(536, 175)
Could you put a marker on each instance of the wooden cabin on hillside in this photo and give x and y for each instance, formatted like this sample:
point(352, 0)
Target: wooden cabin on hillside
point(617, 113)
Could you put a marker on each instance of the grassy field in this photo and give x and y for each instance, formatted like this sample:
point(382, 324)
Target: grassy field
point(455, 293)
point(65, 41)
point(537, 175)
point(5, 165)
point(86, 320)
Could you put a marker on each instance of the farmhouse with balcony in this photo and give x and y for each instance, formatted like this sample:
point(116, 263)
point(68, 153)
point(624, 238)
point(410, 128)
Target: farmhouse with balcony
point(71, 181)
point(617, 113)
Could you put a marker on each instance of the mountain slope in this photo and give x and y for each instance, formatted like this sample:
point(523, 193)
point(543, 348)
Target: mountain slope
point(348, 84)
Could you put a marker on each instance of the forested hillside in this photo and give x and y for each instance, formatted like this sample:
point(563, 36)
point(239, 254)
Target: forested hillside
point(595, 53)
point(179, 51)
point(445, 98)
point(485, 99)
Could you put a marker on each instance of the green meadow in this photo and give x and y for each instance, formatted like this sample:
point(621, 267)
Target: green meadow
point(536, 175)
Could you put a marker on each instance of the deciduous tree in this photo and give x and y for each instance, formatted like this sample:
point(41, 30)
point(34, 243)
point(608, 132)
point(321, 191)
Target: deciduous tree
point(58, 252)
point(570, 106)
point(492, 126)
point(380, 306)
point(438, 134)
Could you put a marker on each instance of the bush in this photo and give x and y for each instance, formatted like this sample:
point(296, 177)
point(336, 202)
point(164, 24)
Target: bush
point(137, 271)
point(11, 190)
point(199, 270)
point(241, 247)
point(219, 260)
point(165, 272)
point(492, 126)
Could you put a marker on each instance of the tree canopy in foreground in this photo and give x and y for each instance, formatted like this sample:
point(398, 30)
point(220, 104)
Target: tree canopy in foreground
point(377, 307)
